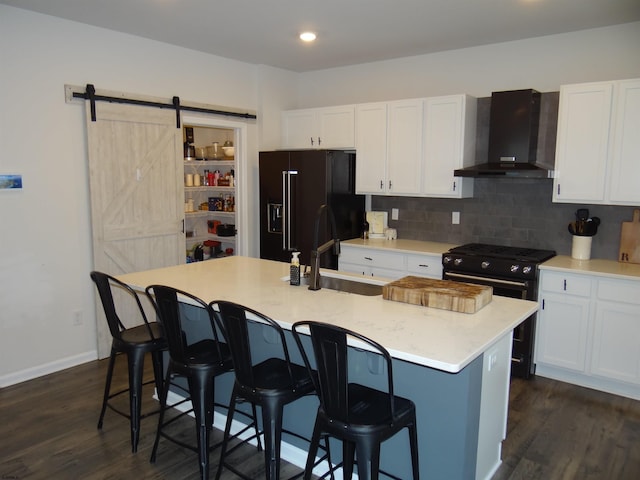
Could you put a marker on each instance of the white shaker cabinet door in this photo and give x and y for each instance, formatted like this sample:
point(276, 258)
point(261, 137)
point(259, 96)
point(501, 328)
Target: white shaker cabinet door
point(583, 142)
point(625, 156)
point(404, 147)
point(336, 127)
point(371, 148)
point(449, 144)
point(616, 342)
point(562, 331)
point(299, 129)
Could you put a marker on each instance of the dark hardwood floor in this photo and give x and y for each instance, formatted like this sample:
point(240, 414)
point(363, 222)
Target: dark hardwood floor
point(48, 431)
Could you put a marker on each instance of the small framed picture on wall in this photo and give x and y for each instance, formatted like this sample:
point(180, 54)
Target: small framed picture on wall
point(10, 182)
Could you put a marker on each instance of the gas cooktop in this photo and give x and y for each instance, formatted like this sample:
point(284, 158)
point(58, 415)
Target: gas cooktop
point(522, 254)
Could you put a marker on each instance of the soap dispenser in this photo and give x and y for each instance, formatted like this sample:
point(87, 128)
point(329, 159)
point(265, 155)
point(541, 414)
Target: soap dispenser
point(294, 269)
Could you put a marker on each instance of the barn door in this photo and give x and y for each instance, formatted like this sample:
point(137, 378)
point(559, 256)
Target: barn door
point(137, 197)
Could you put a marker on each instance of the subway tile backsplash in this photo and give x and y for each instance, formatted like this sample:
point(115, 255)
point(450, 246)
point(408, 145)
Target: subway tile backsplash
point(516, 212)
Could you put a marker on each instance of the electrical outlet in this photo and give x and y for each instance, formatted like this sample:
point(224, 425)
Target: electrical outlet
point(77, 318)
point(455, 218)
point(394, 213)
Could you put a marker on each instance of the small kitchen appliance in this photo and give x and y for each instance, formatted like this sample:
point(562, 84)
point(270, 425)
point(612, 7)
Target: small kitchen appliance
point(512, 272)
point(377, 224)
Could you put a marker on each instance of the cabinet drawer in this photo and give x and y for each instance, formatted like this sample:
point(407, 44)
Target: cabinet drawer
point(373, 258)
point(565, 283)
point(425, 265)
point(619, 291)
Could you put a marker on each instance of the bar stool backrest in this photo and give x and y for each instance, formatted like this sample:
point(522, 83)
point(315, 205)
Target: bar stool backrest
point(171, 315)
point(104, 282)
point(330, 352)
point(235, 324)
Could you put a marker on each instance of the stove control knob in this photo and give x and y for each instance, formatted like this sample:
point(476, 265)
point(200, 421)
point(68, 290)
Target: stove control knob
point(446, 259)
point(526, 269)
point(484, 265)
point(457, 261)
point(514, 268)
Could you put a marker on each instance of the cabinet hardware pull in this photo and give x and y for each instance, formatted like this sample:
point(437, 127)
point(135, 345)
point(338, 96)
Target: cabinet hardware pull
point(565, 284)
point(319, 141)
point(543, 304)
point(454, 186)
point(368, 258)
point(423, 265)
point(312, 141)
point(381, 185)
point(389, 184)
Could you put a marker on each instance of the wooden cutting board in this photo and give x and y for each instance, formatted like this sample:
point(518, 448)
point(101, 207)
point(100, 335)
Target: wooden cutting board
point(630, 240)
point(444, 294)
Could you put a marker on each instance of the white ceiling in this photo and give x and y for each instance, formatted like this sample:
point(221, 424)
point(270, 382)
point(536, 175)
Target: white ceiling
point(349, 31)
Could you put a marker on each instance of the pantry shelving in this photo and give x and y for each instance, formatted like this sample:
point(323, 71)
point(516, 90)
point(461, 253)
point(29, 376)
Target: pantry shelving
point(209, 193)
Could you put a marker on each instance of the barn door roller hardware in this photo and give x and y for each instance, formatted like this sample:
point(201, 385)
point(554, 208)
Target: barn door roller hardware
point(90, 95)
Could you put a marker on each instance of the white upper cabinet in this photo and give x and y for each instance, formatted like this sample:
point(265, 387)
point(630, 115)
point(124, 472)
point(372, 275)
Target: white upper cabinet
point(389, 147)
point(449, 144)
point(371, 148)
point(624, 174)
point(598, 146)
point(404, 146)
point(330, 127)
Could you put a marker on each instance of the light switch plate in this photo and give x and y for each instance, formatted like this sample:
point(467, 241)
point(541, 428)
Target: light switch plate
point(394, 214)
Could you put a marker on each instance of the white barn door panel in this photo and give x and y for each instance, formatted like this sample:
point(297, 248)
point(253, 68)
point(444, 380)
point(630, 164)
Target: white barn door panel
point(137, 197)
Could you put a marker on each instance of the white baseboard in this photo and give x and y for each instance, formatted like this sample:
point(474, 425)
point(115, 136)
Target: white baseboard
point(47, 368)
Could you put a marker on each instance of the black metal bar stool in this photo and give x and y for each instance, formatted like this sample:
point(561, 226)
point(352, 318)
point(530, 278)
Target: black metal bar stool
point(270, 384)
point(199, 361)
point(134, 342)
point(360, 416)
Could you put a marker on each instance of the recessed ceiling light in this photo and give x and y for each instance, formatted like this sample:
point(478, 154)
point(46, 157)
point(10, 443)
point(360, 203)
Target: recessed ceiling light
point(307, 36)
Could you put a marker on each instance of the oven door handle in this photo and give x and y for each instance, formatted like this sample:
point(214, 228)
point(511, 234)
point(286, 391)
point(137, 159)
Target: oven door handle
point(486, 280)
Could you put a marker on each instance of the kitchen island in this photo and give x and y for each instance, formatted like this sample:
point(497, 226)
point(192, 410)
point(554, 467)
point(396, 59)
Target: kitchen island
point(454, 366)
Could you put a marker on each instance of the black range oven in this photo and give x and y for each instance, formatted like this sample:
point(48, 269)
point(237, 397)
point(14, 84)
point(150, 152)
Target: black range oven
point(512, 272)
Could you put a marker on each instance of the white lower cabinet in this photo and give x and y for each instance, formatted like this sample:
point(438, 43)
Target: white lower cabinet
point(371, 262)
point(392, 265)
point(616, 332)
point(563, 321)
point(424, 265)
point(588, 330)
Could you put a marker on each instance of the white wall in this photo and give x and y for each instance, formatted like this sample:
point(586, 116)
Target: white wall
point(45, 245)
point(542, 63)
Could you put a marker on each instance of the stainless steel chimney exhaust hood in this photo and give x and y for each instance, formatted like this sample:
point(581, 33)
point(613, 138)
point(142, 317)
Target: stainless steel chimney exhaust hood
point(513, 138)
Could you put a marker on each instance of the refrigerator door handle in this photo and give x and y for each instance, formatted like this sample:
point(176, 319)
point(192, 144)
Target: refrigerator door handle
point(285, 207)
point(288, 208)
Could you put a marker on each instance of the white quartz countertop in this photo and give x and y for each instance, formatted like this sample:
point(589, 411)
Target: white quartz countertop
point(431, 337)
point(402, 246)
point(605, 268)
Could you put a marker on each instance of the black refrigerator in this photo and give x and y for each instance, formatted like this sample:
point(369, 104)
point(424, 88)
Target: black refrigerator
point(293, 186)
